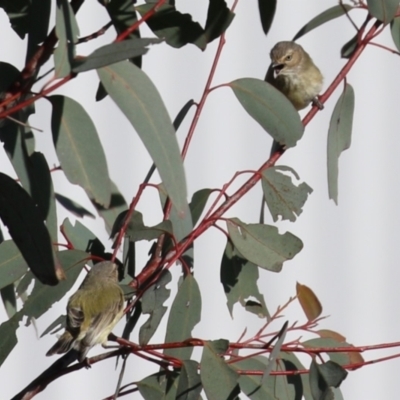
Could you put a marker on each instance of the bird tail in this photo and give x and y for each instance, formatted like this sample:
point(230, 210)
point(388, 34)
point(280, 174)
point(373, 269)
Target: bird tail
point(64, 343)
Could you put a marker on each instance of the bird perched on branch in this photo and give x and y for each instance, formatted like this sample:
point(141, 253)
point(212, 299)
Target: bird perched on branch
point(293, 72)
point(92, 311)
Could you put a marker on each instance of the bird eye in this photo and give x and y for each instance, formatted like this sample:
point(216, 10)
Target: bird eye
point(288, 57)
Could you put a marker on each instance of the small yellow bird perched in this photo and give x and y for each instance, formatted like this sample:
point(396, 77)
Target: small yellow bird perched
point(92, 311)
point(293, 72)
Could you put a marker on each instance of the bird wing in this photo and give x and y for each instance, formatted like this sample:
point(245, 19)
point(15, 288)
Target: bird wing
point(105, 316)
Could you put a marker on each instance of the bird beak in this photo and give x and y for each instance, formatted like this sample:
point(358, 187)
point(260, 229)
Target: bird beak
point(277, 67)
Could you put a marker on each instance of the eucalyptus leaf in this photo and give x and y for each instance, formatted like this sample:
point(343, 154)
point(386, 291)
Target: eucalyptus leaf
point(213, 371)
point(270, 108)
point(267, 10)
point(153, 304)
point(139, 100)
point(239, 278)
point(176, 28)
point(325, 16)
point(281, 195)
point(263, 244)
point(79, 148)
point(395, 31)
point(185, 314)
point(339, 137)
point(12, 265)
point(384, 10)
point(26, 227)
point(113, 53)
point(67, 32)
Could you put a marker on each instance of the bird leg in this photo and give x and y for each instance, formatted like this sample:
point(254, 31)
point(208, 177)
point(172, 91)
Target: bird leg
point(316, 102)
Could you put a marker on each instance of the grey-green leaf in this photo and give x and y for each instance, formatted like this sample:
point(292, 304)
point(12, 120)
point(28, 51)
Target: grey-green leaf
point(12, 264)
point(252, 385)
point(162, 385)
point(184, 316)
point(384, 10)
point(218, 378)
point(137, 97)
point(78, 235)
point(152, 303)
point(270, 108)
point(26, 227)
point(239, 278)
point(67, 32)
point(281, 195)
point(43, 296)
point(199, 201)
point(79, 148)
point(113, 53)
point(339, 137)
point(189, 385)
point(325, 16)
point(395, 31)
point(9, 337)
point(263, 244)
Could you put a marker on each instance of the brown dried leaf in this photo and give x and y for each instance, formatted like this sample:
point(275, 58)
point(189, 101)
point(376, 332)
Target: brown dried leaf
point(308, 301)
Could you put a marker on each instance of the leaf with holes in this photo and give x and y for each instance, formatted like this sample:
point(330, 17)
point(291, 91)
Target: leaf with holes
point(263, 244)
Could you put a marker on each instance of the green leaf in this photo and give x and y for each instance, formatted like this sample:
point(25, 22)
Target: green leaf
point(79, 236)
point(320, 19)
point(138, 231)
point(252, 385)
point(275, 352)
point(14, 136)
point(42, 192)
point(176, 28)
point(26, 227)
point(349, 48)
point(189, 385)
point(18, 11)
point(281, 195)
point(162, 385)
point(79, 148)
point(301, 381)
point(323, 377)
point(67, 32)
point(43, 296)
point(219, 17)
point(185, 314)
point(199, 201)
point(73, 207)
point(139, 100)
point(37, 24)
point(123, 15)
point(218, 378)
point(341, 358)
point(339, 137)
point(9, 337)
point(12, 264)
point(270, 108)
point(9, 299)
point(113, 53)
point(262, 244)
point(395, 31)
point(239, 278)
point(267, 10)
point(384, 10)
point(152, 303)
point(116, 206)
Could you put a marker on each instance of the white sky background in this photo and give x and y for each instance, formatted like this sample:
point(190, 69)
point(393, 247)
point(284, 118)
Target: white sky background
point(349, 257)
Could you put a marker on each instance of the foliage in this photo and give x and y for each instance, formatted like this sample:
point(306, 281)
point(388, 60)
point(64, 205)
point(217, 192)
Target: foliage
point(263, 366)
